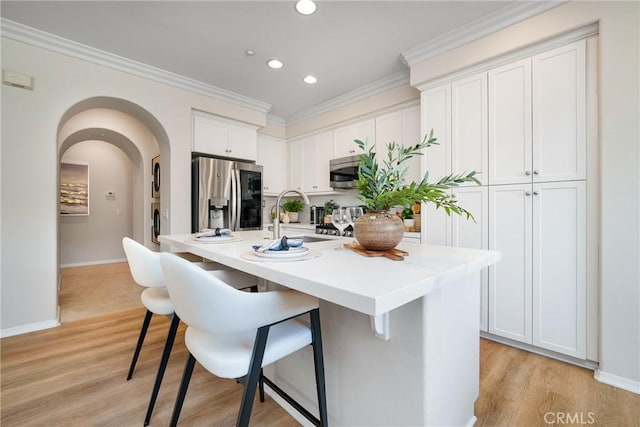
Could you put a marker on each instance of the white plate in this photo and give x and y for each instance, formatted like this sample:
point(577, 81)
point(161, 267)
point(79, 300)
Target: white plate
point(291, 253)
point(213, 239)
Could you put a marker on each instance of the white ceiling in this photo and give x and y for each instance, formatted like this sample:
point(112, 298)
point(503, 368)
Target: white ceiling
point(345, 44)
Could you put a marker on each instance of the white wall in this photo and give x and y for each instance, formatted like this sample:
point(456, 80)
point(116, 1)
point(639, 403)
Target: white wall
point(30, 120)
point(98, 237)
point(619, 110)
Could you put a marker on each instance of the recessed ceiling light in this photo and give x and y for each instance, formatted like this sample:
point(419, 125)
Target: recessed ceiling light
point(305, 7)
point(310, 79)
point(275, 63)
point(250, 52)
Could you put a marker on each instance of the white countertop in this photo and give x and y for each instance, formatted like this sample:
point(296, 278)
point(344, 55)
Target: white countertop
point(373, 286)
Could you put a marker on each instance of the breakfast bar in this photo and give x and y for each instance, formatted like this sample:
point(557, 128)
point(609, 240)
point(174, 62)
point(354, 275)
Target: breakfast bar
point(401, 340)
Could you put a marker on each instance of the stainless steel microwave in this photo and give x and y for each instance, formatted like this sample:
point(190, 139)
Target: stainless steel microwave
point(343, 172)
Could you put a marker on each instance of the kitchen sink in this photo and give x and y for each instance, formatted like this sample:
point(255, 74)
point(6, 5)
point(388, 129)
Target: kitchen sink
point(310, 239)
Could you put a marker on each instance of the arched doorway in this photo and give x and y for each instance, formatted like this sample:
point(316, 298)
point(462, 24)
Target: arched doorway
point(100, 128)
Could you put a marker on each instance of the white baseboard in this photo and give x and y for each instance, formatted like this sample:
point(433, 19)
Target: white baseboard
point(31, 327)
point(617, 381)
point(287, 407)
point(97, 262)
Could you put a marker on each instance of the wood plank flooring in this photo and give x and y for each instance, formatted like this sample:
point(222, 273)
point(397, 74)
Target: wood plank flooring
point(75, 375)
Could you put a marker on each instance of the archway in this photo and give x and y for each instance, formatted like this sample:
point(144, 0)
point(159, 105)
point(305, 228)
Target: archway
point(140, 136)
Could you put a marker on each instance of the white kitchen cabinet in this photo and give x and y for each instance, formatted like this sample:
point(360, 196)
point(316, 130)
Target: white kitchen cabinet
point(510, 232)
point(273, 156)
point(474, 234)
point(538, 289)
point(559, 267)
point(537, 121)
point(559, 114)
point(469, 137)
point(309, 163)
point(510, 124)
point(343, 137)
point(223, 137)
point(402, 127)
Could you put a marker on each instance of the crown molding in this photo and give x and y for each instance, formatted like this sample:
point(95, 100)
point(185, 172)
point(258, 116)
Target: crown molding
point(485, 25)
point(38, 38)
point(392, 81)
point(276, 120)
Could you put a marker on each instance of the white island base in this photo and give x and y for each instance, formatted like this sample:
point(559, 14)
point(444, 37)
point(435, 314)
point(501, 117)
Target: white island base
point(426, 374)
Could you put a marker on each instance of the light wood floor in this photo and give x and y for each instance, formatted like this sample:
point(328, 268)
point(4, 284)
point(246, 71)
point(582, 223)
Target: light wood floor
point(75, 375)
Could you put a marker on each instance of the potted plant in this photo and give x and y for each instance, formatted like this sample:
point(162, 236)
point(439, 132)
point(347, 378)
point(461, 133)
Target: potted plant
point(380, 184)
point(329, 206)
point(407, 219)
point(292, 207)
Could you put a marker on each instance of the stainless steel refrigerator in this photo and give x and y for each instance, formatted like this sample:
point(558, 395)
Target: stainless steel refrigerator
point(226, 194)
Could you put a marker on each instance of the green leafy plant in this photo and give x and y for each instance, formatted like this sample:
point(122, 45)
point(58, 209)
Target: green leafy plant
point(330, 206)
point(380, 183)
point(293, 205)
point(406, 213)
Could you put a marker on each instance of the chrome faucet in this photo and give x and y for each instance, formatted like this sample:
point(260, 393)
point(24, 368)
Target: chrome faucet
point(276, 220)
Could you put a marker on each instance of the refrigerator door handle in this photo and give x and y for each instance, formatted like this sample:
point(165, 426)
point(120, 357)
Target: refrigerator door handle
point(238, 199)
point(232, 222)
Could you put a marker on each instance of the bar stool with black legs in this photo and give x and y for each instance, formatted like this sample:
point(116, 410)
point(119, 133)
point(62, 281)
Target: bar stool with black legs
point(233, 334)
point(146, 271)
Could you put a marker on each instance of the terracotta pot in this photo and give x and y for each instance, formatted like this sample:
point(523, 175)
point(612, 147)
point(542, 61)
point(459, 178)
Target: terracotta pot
point(378, 230)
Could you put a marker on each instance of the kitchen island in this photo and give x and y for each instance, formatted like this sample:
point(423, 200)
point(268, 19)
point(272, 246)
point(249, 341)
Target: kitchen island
point(401, 340)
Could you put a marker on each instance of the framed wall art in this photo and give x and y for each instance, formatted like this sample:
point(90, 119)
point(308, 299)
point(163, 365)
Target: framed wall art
point(74, 189)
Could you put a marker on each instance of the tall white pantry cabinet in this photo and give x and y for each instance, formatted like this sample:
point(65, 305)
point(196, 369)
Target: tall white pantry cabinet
point(523, 126)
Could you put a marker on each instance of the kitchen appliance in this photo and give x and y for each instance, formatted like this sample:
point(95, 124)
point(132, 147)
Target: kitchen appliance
point(155, 185)
point(343, 172)
point(155, 227)
point(225, 193)
point(331, 230)
point(316, 214)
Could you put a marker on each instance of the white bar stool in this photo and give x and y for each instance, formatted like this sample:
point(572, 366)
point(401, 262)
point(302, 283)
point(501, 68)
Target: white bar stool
point(146, 271)
point(233, 334)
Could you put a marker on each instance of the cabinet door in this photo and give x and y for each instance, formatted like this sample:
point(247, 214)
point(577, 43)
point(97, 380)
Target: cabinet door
point(559, 266)
point(470, 234)
point(469, 138)
point(296, 160)
point(559, 108)
point(388, 129)
point(411, 135)
point(242, 143)
point(210, 136)
point(272, 155)
point(309, 164)
point(343, 145)
point(510, 123)
point(436, 115)
point(324, 147)
point(510, 279)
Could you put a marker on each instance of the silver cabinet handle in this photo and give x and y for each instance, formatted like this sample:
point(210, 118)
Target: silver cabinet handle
point(536, 172)
point(315, 186)
point(535, 193)
point(527, 172)
point(527, 193)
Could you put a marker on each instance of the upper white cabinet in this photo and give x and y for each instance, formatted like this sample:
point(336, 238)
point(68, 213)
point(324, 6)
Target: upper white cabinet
point(510, 124)
point(436, 114)
point(273, 156)
point(223, 137)
point(343, 137)
point(309, 163)
point(559, 114)
point(402, 127)
point(537, 118)
point(469, 138)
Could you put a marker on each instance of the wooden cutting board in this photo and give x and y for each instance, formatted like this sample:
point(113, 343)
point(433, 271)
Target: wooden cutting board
point(393, 254)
